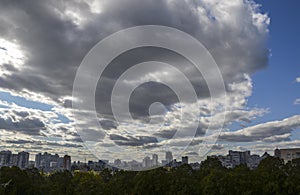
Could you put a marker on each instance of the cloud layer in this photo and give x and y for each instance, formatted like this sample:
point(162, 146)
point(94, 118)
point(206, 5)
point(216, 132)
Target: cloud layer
point(274, 131)
point(52, 37)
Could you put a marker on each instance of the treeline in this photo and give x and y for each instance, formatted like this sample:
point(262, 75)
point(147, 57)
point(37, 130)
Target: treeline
point(271, 177)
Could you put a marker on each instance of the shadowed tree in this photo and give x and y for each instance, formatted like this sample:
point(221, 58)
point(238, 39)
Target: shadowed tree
point(269, 176)
point(87, 183)
point(60, 183)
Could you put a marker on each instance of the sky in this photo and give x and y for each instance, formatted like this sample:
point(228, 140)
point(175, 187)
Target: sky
point(254, 44)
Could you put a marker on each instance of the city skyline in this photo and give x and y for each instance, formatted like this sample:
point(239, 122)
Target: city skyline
point(32, 156)
point(53, 162)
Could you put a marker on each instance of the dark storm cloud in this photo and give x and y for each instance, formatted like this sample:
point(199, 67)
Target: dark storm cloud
point(67, 103)
point(20, 141)
point(32, 122)
point(146, 94)
point(132, 141)
point(217, 147)
point(55, 44)
point(21, 113)
point(108, 124)
point(71, 145)
point(168, 134)
point(29, 126)
point(42, 143)
point(192, 154)
point(9, 67)
point(196, 142)
point(51, 42)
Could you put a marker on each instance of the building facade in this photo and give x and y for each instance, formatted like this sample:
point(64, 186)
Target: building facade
point(48, 162)
point(185, 160)
point(287, 154)
point(169, 157)
point(23, 159)
point(147, 162)
point(5, 157)
point(235, 158)
point(67, 162)
point(154, 160)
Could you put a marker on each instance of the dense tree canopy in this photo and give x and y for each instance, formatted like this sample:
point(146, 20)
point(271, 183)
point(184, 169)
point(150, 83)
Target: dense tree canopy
point(271, 177)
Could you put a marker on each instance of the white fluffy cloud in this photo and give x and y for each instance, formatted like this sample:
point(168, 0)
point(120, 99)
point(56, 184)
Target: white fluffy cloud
point(269, 131)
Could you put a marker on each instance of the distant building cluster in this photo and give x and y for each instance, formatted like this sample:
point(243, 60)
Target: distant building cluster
point(149, 162)
point(7, 158)
point(46, 162)
point(91, 165)
point(235, 158)
point(49, 162)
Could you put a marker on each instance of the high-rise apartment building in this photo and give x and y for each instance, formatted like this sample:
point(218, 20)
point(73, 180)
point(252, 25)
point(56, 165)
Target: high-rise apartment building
point(23, 159)
point(5, 157)
point(48, 162)
point(238, 157)
point(147, 162)
point(169, 157)
point(14, 160)
point(154, 160)
point(67, 162)
point(287, 154)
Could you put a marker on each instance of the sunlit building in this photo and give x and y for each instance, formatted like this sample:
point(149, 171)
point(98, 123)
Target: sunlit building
point(287, 154)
